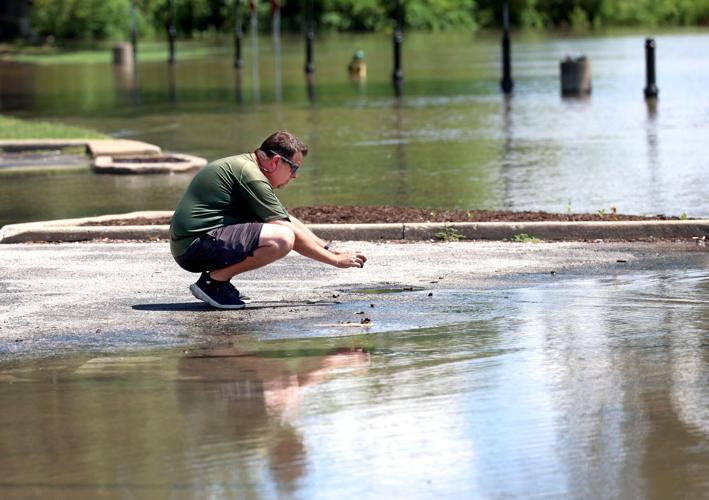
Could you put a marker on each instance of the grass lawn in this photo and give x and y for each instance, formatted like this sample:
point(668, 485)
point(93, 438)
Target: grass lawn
point(14, 128)
point(148, 51)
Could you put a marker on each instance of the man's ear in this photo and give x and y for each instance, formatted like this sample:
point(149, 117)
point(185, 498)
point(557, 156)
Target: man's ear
point(261, 156)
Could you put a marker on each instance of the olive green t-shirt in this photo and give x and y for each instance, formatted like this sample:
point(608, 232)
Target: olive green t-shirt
point(229, 191)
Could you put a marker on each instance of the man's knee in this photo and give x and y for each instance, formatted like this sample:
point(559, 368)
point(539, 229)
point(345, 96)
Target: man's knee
point(279, 237)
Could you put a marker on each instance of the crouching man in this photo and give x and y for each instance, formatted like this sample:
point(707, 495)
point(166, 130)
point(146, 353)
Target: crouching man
point(230, 221)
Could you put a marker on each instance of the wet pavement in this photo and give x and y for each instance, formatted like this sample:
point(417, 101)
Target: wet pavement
point(486, 370)
point(104, 296)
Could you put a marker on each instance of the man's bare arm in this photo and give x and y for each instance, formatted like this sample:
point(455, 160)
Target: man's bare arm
point(309, 245)
point(320, 241)
point(296, 222)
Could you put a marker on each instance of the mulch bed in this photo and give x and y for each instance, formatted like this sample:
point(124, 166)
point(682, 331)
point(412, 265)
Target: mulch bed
point(337, 214)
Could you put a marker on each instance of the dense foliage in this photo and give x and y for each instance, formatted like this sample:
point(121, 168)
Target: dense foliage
point(111, 19)
point(586, 14)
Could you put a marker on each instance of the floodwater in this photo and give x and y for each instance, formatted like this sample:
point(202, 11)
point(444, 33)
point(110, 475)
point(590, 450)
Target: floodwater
point(585, 388)
point(451, 141)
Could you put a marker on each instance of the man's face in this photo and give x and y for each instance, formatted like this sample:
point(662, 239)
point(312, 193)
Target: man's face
point(280, 171)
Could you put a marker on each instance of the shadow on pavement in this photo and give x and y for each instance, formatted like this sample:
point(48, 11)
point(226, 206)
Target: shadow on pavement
point(199, 306)
point(180, 306)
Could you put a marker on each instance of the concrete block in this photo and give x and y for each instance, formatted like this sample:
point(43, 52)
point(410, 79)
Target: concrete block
point(122, 54)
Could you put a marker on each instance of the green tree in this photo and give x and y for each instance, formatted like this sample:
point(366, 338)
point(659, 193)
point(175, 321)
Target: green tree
point(91, 20)
point(440, 14)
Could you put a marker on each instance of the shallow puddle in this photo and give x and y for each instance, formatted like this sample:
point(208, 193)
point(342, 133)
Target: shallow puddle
point(387, 289)
point(593, 388)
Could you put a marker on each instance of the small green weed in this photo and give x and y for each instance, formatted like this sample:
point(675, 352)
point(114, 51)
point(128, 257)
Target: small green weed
point(601, 212)
point(525, 238)
point(449, 234)
point(683, 216)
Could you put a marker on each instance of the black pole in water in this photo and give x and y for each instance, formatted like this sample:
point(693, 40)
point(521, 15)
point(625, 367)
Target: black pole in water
point(133, 32)
point(172, 33)
point(398, 75)
point(309, 38)
point(651, 90)
point(506, 82)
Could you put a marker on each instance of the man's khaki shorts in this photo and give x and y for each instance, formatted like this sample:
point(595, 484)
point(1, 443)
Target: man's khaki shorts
point(221, 247)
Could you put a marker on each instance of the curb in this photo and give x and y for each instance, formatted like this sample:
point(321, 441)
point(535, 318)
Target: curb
point(67, 230)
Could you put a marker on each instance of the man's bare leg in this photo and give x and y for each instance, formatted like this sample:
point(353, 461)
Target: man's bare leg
point(274, 243)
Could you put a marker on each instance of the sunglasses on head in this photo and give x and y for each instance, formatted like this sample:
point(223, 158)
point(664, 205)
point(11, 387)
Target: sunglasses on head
point(293, 166)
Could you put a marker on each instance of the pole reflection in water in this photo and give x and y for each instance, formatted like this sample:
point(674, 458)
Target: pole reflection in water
point(313, 141)
point(506, 163)
point(172, 82)
point(310, 87)
point(400, 140)
point(277, 51)
point(254, 52)
point(238, 85)
point(127, 83)
point(18, 83)
point(653, 153)
point(136, 86)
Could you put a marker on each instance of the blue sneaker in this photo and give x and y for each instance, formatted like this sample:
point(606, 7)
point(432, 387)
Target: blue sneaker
point(219, 294)
point(243, 297)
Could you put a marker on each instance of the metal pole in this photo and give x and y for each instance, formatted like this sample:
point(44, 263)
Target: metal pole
point(398, 75)
point(133, 32)
point(309, 39)
point(172, 32)
point(238, 35)
point(651, 90)
point(507, 84)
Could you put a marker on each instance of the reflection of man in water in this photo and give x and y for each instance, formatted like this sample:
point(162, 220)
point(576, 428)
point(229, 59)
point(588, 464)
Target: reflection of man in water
point(241, 407)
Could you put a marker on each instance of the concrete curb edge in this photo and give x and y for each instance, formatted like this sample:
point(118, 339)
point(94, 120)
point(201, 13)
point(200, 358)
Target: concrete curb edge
point(68, 230)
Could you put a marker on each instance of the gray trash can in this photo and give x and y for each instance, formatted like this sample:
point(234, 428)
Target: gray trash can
point(575, 76)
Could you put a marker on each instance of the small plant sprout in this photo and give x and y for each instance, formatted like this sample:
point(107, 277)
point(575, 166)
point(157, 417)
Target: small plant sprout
point(601, 212)
point(683, 216)
point(525, 238)
point(449, 234)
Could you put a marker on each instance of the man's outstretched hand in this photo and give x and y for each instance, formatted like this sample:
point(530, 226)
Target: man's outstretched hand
point(347, 259)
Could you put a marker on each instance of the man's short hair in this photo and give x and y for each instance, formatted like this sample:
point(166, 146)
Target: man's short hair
point(283, 143)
